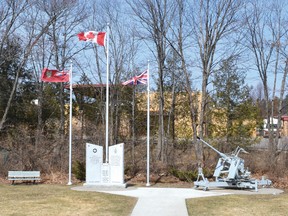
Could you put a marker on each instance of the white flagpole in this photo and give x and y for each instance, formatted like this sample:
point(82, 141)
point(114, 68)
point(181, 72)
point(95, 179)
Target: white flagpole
point(107, 93)
point(70, 129)
point(148, 126)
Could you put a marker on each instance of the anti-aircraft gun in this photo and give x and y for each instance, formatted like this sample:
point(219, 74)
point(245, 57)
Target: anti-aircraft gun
point(229, 173)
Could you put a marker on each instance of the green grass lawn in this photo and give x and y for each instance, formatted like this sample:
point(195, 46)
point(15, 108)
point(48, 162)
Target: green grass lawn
point(60, 200)
point(248, 205)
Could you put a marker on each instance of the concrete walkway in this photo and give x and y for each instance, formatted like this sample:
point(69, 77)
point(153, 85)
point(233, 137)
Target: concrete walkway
point(166, 201)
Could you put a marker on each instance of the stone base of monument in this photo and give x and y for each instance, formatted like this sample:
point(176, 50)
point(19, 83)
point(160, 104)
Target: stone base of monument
point(105, 174)
point(108, 185)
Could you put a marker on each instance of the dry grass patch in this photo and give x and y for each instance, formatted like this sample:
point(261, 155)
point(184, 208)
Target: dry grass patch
point(254, 205)
point(35, 200)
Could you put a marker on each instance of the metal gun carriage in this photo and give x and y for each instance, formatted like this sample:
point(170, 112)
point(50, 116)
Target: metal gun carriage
point(229, 173)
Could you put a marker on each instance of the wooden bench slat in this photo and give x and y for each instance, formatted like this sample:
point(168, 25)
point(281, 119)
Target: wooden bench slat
point(24, 176)
point(17, 178)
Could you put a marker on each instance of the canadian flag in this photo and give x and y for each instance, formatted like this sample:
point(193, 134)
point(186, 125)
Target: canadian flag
point(93, 36)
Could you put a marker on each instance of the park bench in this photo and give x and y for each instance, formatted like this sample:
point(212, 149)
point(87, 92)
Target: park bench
point(24, 176)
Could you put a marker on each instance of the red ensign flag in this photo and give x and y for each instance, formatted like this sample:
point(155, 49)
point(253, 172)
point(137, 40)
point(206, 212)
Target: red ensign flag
point(54, 75)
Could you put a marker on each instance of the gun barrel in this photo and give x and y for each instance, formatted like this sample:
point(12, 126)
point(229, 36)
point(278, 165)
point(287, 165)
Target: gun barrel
point(220, 153)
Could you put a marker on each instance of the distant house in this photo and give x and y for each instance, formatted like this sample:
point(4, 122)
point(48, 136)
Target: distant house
point(283, 130)
point(273, 126)
point(284, 124)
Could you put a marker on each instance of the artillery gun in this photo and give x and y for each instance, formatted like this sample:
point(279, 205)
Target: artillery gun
point(229, 173)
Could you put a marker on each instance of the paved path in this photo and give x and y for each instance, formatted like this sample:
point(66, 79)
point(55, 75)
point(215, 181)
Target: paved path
point(157, 201)
point(167, 201)
point(163, 201)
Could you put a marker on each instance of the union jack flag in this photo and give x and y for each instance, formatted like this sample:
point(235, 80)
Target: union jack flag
point(137, 80)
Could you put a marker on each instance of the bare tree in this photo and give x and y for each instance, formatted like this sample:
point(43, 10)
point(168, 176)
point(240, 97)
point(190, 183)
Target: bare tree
point(119, 52)
point(133, 69)
point(266, 35)
point(58, 51)
point(179, 47)
point(10, 13)
point(211, 22)
point(13, 21)
point(155, 17)
point(193, 99)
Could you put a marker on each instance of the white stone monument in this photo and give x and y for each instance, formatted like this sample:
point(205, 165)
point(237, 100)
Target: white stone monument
point(105, 174)
point(94, 160)
point(116, 161)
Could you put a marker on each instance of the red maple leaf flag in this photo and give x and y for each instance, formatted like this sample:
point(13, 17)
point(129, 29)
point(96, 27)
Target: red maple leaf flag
point(49, 75)
point(93, 36)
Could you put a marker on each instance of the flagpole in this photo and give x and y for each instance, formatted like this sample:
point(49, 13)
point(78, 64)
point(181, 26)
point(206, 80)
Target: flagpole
point(148, 126)
point(107, 94)
point(70, 129)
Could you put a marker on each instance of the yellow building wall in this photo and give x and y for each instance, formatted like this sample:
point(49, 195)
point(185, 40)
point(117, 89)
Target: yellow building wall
point(219, 121)
point(183, 124)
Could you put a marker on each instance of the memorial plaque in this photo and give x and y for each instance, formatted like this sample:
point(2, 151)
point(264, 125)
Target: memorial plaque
point(116, 162)
point(105, 173)
point(94, 160)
